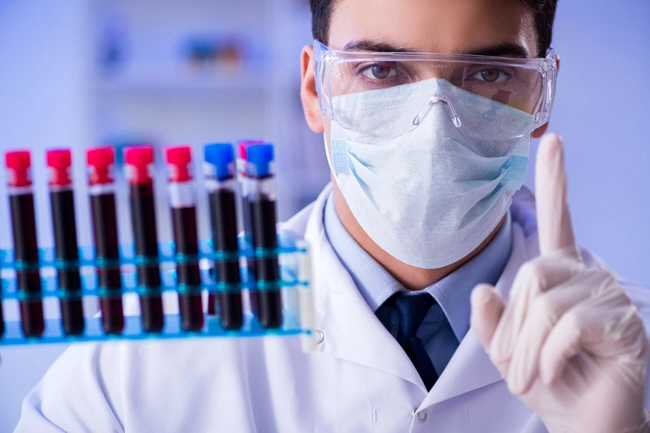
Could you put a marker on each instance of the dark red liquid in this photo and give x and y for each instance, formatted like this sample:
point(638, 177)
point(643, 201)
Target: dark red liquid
point(102, 207)
point(143, 217)
point(231, 316)
point(269, 302)
point(65, 243)
point(223, 216)
point(31, 316)
point(248, 236)
point(23, 224)
point(185, 236)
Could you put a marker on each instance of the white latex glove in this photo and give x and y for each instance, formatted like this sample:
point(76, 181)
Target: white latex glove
point(569, 343)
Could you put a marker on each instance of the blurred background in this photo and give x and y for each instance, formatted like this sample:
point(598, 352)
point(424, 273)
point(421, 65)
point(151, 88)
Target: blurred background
point(80, 73)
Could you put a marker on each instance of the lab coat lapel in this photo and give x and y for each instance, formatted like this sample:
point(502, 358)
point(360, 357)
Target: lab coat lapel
point(353, 333)
point(470, 368)
point(351, 330)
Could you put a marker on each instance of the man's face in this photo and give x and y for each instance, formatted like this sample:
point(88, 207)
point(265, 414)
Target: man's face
point(490, 27)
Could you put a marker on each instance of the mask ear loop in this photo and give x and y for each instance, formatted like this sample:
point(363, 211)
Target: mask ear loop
point(328, 154)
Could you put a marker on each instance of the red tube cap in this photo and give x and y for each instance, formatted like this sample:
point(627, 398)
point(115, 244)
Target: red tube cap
point(179, 159)
point(18, 164)
point(59, 162)
point(138, 159)
point(100, 165)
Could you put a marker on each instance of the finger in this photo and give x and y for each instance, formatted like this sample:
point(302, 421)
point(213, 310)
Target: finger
point(544, 313)
point(534, 278)
point(604, 325)
point(553, 219)
point(487, 308)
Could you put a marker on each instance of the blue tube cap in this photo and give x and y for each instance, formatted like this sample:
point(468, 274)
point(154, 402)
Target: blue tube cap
point(260, 157)
point(222, 157)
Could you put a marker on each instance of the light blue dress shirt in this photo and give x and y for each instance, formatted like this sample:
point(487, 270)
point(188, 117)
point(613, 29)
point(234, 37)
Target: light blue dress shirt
point(447, 321)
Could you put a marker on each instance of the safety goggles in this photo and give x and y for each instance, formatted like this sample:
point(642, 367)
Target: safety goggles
point(393, 89)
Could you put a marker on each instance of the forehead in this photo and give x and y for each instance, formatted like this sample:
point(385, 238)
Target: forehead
point(440, 26)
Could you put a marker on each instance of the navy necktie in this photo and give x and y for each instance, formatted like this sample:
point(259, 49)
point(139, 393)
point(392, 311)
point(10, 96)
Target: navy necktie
point(402, 316)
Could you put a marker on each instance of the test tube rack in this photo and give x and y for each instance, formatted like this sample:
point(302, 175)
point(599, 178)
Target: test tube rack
point(294, 285)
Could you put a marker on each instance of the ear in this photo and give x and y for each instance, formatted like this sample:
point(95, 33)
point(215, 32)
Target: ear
point(542, 129)
point(308, 94)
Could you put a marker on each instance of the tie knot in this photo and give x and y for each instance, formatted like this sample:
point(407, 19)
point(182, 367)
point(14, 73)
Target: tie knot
point(412, 310)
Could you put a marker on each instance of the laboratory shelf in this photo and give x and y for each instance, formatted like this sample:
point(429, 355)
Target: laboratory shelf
point(157, 84)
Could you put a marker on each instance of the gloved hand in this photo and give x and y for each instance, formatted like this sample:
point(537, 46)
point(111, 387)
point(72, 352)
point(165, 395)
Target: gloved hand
point(568, 342)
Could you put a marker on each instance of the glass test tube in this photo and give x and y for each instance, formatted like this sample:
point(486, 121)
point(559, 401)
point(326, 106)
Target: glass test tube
point(139, 160)
point(23, 225)
point(242, 163)
point(59, 162)
point(104, 221)
point(183, 208)
point(221, 186)
point(260, 200)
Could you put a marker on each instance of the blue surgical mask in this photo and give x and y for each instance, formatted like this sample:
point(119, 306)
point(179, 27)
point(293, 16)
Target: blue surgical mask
point(431, 196)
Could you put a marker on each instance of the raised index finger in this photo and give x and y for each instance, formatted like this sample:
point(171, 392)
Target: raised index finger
point(553, 218)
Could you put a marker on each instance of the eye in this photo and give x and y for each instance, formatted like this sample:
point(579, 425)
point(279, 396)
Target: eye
point(380, 71)
point(491, 75)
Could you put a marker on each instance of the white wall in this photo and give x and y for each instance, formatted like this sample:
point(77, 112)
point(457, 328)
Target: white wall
point(602, 111)
point(43, 104)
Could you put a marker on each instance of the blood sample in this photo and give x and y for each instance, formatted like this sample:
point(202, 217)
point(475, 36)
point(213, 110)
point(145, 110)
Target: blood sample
point(260, 201)
point(183, 208)
point(220, 183)
point(59, 162)
point(139, 160)
point(242, 163)
point(102, 207)
point(23, 224)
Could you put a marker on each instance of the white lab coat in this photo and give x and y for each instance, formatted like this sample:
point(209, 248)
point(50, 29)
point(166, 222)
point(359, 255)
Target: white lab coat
point(357, 380)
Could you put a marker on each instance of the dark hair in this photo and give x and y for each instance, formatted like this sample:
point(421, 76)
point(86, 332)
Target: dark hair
point(321, 13)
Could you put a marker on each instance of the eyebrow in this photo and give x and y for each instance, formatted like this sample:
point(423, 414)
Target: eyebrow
point(499, 50)
point(380, 47)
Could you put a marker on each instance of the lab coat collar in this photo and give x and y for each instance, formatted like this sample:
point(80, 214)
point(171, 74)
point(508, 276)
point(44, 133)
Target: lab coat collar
point(353, 333)
point(470, 368)
point(351, 330)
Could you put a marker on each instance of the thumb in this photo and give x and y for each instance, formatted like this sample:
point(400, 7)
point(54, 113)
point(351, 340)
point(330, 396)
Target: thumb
point(487, 309)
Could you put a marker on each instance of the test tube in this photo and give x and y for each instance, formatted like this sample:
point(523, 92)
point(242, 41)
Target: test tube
point(260, 200)
point(242, 163)
point(220, 183)
point(139, 160)
point(59, 162)
point(183, 207)
point(104, 220)
point(23, 225)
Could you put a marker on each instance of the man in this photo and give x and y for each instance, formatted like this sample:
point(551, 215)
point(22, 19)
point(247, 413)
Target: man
point(426, 151)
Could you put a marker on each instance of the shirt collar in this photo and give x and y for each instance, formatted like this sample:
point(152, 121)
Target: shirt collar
point(452, 292)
